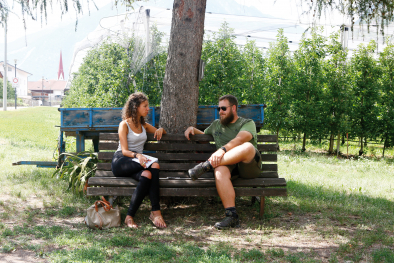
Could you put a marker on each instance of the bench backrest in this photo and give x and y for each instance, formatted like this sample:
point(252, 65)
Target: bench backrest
point(176, 154)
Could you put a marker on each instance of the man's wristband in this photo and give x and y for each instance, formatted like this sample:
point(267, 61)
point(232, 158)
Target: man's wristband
point(224, 149)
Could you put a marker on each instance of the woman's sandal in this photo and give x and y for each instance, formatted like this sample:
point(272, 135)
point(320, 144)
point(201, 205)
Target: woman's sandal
point(129, 221)
point(154, 220)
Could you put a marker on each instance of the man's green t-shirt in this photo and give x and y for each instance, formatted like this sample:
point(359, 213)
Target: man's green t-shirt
point(225, 133)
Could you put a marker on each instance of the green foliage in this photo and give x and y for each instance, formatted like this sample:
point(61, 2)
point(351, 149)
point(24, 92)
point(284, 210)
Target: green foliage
point(100, 79)
point(364, 74)
point(336, 90)
point(279, 79)
point(110, 73)
point(231, 70)
point(386, 105)
point(307, 91)
point(10, 90)
point(77, 169)
point(316, 91)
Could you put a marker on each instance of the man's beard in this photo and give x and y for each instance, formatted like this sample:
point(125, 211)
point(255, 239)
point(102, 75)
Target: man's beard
point(229, 118)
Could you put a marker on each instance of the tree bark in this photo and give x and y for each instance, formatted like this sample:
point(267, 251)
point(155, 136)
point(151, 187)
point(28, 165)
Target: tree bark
point(304, 143)
point(331, 147)
point(362, 147)
point(179, 103)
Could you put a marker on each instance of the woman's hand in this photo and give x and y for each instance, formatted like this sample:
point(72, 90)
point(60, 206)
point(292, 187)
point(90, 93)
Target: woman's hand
point(143, 160)
point(158, 134)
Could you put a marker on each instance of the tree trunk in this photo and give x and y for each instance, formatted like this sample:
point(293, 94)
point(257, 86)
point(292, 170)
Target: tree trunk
point(362, 147)
point(331, 147)
point(384, 145)
point(179, 103)
point(303, 143)
point(338, 142)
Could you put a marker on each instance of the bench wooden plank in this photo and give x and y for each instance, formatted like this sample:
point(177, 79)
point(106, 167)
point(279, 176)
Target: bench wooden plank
point(164, 146)
point(180, 137)
point(183, 156)
point(128, 191)
point(183, 174)
point(186, 183)
point(182, 147)
point(183, 166)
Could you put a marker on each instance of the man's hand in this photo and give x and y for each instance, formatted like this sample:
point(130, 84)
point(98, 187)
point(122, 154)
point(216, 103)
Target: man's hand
point(189, 131)
point(216, 158)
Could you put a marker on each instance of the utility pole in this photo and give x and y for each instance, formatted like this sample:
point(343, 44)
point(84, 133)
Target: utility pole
point(15, 86)
point(147, 30)
point(344, 41)
point(5, 65)
point(42, 91)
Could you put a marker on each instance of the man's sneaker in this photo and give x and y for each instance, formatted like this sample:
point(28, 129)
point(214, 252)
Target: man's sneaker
point(227, 222)
point(199, 169)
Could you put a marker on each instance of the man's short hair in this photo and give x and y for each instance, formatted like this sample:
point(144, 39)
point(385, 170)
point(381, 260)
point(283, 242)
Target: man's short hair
point(232, 99)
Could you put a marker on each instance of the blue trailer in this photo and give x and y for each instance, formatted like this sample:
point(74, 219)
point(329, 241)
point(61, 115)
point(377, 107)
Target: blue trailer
point(88, 123)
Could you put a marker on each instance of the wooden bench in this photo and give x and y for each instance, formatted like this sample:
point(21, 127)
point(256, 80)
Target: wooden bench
point(176, 155)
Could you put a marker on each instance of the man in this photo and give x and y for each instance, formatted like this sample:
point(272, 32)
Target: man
point(236, 141)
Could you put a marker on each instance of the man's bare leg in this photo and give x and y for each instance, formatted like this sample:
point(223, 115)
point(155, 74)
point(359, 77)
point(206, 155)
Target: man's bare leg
point(224, 186)
point(226, 192)
point(242, 153)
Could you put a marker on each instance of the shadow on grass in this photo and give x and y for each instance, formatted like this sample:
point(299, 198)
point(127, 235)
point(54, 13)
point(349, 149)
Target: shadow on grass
point(366, 222)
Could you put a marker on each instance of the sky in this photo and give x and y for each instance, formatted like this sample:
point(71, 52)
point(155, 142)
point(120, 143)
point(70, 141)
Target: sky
point(15, 27)
point(285, 9)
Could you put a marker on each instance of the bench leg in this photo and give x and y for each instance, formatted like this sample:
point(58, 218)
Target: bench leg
point(96, 144)
point(262, 203)
point(253, 200)
point(112, 199)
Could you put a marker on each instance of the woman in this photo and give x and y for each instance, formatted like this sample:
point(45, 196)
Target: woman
point(132, 137)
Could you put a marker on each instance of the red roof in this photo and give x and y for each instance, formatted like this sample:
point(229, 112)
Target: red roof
point(48, 85)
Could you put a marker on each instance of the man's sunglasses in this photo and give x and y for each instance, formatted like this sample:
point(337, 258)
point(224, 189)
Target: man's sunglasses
point(223, 108)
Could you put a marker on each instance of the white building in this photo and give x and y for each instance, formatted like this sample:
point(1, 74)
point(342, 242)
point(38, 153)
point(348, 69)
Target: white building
point(20, 74)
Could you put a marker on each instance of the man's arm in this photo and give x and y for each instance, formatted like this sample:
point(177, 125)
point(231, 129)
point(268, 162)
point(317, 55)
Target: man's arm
point(191, 130)
point(242, 137)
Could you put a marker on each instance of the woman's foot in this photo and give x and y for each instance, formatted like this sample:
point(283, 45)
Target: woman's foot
point(157, 219)
point(129, 221)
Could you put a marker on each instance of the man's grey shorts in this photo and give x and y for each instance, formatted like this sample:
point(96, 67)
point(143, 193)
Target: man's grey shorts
point(247, 170)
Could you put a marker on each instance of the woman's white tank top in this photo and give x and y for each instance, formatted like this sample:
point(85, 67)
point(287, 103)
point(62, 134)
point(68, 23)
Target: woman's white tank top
point(135, 141)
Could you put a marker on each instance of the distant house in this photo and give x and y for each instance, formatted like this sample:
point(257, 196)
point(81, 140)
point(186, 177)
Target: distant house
point(20, 74)
point(50, 92)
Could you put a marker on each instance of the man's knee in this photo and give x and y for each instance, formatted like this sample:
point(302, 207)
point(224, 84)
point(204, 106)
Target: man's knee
point(248, 147)
point(222, 173)
point(147, 174)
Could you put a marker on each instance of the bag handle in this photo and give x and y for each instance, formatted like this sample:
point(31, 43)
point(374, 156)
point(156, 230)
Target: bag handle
point(105, 204)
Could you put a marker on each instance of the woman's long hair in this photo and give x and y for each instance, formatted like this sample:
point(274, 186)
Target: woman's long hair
point(130, 109)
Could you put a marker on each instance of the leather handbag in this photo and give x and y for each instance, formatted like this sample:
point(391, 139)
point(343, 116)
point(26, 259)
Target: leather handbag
point(102, 215)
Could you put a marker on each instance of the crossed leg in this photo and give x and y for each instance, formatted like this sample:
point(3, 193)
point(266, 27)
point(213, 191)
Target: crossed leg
point(242, 153)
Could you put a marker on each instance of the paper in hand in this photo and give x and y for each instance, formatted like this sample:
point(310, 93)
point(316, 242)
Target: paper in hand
point(149, 162)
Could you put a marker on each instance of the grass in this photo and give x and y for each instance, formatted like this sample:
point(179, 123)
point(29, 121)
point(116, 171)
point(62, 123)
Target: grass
point(337, 210)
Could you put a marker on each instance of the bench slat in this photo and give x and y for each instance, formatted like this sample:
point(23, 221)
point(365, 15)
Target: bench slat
point(128, 191)
point(182, 166)
point(192, 157)
point(186, 183)
point(180, 137)
point(185, 175)
point(182, 147)
point(164, 146)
